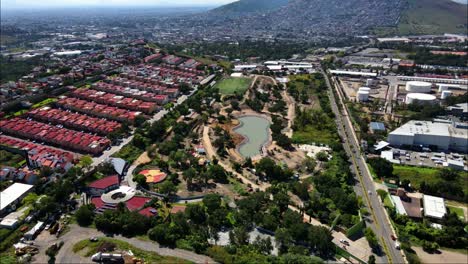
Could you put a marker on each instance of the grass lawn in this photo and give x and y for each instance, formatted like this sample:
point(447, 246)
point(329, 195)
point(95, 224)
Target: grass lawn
point(230, 86)
point(311, 135)
point(415, 174)
point(129, 152)
point(44, 102)
point(91, 248)
point(387, 201)
point(459, 211)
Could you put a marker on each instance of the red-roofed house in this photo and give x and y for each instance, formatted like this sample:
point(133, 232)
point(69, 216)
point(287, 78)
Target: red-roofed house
point(137, 203)
point(148, 211)
point(104, 185)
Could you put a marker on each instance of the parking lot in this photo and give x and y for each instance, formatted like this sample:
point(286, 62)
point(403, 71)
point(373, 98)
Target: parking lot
point(427, 159)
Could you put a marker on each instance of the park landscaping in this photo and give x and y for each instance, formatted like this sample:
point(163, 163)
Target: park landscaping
point(230, 86)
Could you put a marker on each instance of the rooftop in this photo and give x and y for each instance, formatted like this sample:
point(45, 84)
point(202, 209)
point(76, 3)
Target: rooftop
point(434, 206)
point(423, 128)
point(105, 182)
point(12, 193)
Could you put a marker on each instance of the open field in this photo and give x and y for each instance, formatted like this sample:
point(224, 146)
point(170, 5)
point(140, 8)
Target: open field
point(417, 175)
point(230, 86)
point(311, 135)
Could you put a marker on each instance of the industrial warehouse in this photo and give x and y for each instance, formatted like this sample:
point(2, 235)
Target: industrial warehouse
point(445, 136)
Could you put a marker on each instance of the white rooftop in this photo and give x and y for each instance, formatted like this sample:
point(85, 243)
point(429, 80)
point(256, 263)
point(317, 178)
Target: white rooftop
point(398, 205)
point(434, 206)
point(414, 127)
point(12, 193)
point(357, 73)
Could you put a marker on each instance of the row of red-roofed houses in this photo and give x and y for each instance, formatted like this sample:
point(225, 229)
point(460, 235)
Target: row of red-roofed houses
point(99, 110)
point(116, 100)
point(61, 137)
point(160, 99)
point(161, 89)
point(75, 121)
point(157, 74)
point(42, 156)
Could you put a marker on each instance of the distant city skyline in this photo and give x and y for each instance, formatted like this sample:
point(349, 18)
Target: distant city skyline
point(116, 3)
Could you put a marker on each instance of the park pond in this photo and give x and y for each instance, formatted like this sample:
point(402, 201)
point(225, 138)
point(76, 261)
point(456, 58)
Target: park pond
point(256, 133)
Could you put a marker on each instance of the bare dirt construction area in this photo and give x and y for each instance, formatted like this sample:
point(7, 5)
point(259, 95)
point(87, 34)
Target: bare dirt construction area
point(293, 159)
point(444, 257)
point(143, 159)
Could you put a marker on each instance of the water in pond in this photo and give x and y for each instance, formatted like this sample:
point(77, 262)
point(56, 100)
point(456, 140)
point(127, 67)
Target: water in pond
point(256, 131)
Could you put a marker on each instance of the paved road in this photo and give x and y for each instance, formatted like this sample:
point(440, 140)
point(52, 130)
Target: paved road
point(365, 186)
point(76, 234)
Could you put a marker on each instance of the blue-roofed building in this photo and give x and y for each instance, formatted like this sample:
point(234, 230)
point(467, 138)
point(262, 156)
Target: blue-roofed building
point(377, 126)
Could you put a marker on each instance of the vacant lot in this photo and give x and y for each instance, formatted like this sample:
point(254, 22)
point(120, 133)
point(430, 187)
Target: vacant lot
point(233, 85)
point(417, 175)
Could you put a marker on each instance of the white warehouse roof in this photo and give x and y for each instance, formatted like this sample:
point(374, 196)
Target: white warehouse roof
point(423, 127)
point(12, 193)
point(357, 73)
point(434, 206)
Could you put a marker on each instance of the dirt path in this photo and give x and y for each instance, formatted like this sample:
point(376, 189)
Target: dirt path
point(291, 113)
point(444, 257)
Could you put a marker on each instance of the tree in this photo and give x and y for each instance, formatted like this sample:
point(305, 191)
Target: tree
point(322, 156)
point(430, 247)
point(85, 215)
point(212, 202)
point(167, 188)
point(239, 236)
point(85, 162)
point(140, 179)
point(283, 239)
point(217, 173)
point(263, 245)
point(448, 174)
point(371, 259)
point(371, 238)
point(382, 167)
point(309, 164)
point(189, 175)
point(196, 213)
point(382, 194)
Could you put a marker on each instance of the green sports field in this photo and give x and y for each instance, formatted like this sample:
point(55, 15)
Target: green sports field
point(230, 86)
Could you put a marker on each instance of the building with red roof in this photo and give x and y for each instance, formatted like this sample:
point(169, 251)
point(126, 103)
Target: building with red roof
point(136, 203)
point(104, 185)
point(148, 211)
point(54, 135)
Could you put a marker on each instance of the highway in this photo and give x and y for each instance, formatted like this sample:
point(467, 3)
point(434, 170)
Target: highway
point(365, 187)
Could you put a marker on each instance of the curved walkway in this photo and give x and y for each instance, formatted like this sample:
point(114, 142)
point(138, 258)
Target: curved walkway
point(76, 234)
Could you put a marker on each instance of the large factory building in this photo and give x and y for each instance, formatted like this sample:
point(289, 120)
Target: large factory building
point(446, 136)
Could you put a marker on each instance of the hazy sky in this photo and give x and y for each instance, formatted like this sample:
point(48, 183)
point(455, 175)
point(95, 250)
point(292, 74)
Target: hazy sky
point(65, 3)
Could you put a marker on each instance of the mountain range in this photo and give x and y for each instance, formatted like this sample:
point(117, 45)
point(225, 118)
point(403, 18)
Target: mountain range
point(343, 17)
